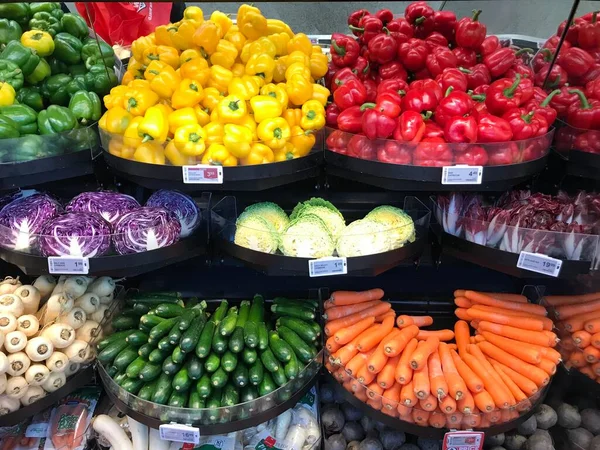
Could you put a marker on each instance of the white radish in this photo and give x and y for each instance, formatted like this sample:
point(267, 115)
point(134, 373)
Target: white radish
point(15, 341)
point(71, 368)
point(295, 438)
point(139, 434)
point(9, 285)
point(3, 362)
point(45, 284)
point(16, 387)
point(8, 404)
point(102, 286)
point(37, 374)
point(33, 394)
point(39, 349)
point(75, 318)
point(78, 351)
point(1, 339)
point(28, 324)
point(55, 381)
point(18, 363)
point(8, 322)
point(107, 299)
point(110, 430)
point(30, 297)
point(89, 302)
point(11, 303)
point(3, 381)
point(100, 314)
point(156, 443)
point(76, 286)
point(58, 289)
point(89, 332)
point(57, 304)
point(60, 334)
point(58, 362)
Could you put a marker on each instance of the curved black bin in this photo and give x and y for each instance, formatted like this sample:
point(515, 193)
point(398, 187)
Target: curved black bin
point(584, 164)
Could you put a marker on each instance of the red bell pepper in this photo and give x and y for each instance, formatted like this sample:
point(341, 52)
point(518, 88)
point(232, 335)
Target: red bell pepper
point(503, 94)
point(433, 152)
point(385, 15)
point(565, 137)
point(400, 25)
point(392, 69)
point(331, 114)
point(573, 31)
point(436, 39)
point(445, 22)
point(504, 153)
point(592, 89)
point(375, 123)
point(394, 85)
point(387, 104)
point(474, 155)
point(416, 12)
point(355, 18)
point(351, 93)
point(341, 77)
point(368, 28)
point(422, 74)
point(439, 59)
point(332, 69)
point(382, 48)
point(392, 152)
point(584, 114)
point(525, 125)
point(410, 127)
point(520, 68)
point(539, 95)
point(413, 54)
point(592, 74)
point(561, 101)
point(552, 43)
point(452, 77)
point(361, 68)
point(344, 50)
point(588, 142)
point(432, 129)
point(470, 33)
point(350, 120)
point(455, 103)
point(461, 129)
point(371, 88)
point(542, 108)
point(558, 77)
point(489, 45)
point(337, 141)
point(589, 33)
point(428, 84)
point(465, 57)
point(479, 110)
point(478, 75)
point(362, 147)
point(575, 61)
point(525, 88)
point(500, 60)
point(493, 129)
point(480, 90)
point(419, 100)
point(543, 58)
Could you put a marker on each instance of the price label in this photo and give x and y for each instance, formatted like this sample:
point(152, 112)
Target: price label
point(179, 433)
point(539, 263)
point(461, 174)
point(324, 267)
point(463, 440)
point(68, 265)
point(37, 430)
point(202, 174)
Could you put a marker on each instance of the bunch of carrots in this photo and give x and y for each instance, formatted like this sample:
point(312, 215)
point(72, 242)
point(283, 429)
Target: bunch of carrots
point(578, 317)
point(442, 378)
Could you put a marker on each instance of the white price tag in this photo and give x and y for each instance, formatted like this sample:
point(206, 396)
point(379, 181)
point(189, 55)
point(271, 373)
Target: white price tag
point(539, 263)
point(37, 430)
point(461, 174)
point(68, 265)
point(202, 174)
point(324, 267)
point(463, 440)
point(179, 433)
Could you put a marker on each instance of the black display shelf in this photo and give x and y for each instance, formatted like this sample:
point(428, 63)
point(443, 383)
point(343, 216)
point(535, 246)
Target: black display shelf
point(398, 177)
point(242, 178)
point(583, 164)
point(76, 381)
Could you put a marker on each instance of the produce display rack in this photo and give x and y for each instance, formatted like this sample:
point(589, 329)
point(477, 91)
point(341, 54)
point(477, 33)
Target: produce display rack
point(583, 164)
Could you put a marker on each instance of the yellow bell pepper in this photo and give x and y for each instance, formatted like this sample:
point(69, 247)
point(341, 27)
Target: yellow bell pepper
point(128, 77)
point(139, 84)
point(214, 115)
point(265, 107)
point(259, 154)
point(212, 97)
point(224, 55)
point(251, 124)
point(318, 65)
point(154, 126)
point(138, 100)
point(150, 153)
point(261, 65)
point(40, 41)
point(202, 115)
point(279, 71)
point(190, 140)
point(222, 20)
point(238, 69)
point(183, 38)
point(235, 36)
point(276, 91)
point(237, 139)
point(164, 53)
point(214, 132)
point(164, 107)
point(300, 42)
point(286, 153)
point(280, 41)
point(188, 93)
point(164, 34)
point(117, 147)
point(303, 141)
point(299, 89)
point(232, 109)
point(114, 98)
point(177, 158)
point(251, 22)
point(166, 82)
point(207, 37)
point(275, 26)
point(244, 87)
point(320, 93)
point(193, 13)
point(195, 69)
point(218, 155)
point(115, 120)
point(188, 55)
point(181, 117)
point(140, 45)
point(293, 116)
point(136, 65)
point(245, 53)
point(131, 136)
point(274, 133)
point(7, 94)
point(297, 68)
point(313, 115)
point(220, 77)
point(297, 57)
point(263, 45)
point(154, 68)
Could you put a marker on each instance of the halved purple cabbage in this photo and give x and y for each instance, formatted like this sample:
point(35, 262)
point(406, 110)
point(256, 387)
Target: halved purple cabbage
point(21, 221)
point(76, 234)
point(145, 229)
point(110, 205)
point(182, 205)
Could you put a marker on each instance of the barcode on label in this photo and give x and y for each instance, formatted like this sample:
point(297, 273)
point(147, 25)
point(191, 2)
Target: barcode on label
point(202, 174)
point(179, 433)
point(327, 266)
point(37, 430)
point(68, 265)
point(462, 174)
point(463, 440)
point(536, 262)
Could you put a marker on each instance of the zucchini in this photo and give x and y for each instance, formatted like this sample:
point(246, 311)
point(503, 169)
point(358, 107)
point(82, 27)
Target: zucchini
point(124, 358)
point(111, 351)
point(149, 321)
point(251, 334)
point(291, 368)
point(175, 333)
point(178, 356)
point(187, 317)
point(240, 376)
point(269, 361)
point(194, 400)
point(263, 336)
point(133, 370)
point(300, 327)
point(281, 349)
point(190, 337)
point(248, 394)
point(161, 330)
point(213, 403)
point(141, 308)
point(236, 341)
point(119, 378)
point(212, 363)
point(219, 343)
point(303, 350)
point(125, 323)
point(220, 312)
point(178, 399)
point(305, 303)
point(195, 367)
point(230, 396)
point(293, 311)
point(219, 378)
point(131, 385)
point(137, 338)
point(229, 361)
point(102, 344)
point(205, 342)
point(182, 380)
point(279, 377)
point(249, 356)
point(227, 325)
point(267, 385)
point(145, 350)
point(165, 345)
point(154, 299)
point(163, 389)
point(147, 390)
point(157, 356)
point(256, 373)
point(150, 372)
point(169, 367)
point(168, 310)
point(255, 316)
point(204, 387)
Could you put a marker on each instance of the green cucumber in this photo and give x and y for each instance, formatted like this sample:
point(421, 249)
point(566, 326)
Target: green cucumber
point(219, 342)
point(227, 325)
point(304, 351)
point(194, 400)
point(213, 403)
point(157, 356)
point(305, 303)
point(190, 337)
point(219, 378)
point(212, 363)
point(291, 368)
point(256, 373)
point(141, 308)
point(269, 361)
point(102, 344)
point(267, 385)
point(149, 321)
point(168, 310)
point(195, 367)
point(169, 367)
point(293, 311)
point(150, 372)
point(236, 341)
point(205, 342)
point(263, 336)
point(162, 390)
point(111, 351)
point(112, 371)
point(302, 328)
point(124, 358)
point(182, 380)
point(229, 361)
point(281, 349)
point(119, 378)
point(175, 333)
point(161, 330)
point(240, 376)
point(279, 377)
point(137, 338)
point(316, 327)
point(230, 396)
point(249, 356)
point(248, 394)
point(124, 323)
point(243, 313)
point(203, 386)
point(178, 399)
point(165, 345)
point(187, 317)
point(178, 356)
point(130, 312)
point(133, 370)
point(147, 391)
point(251, 334)
point(145, 350)
point(132, 385)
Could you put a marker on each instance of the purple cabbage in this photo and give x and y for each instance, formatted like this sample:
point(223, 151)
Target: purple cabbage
point(110, 205)
point(76, 234)
point(145, 229)
point(182, 205)
point(22, 220)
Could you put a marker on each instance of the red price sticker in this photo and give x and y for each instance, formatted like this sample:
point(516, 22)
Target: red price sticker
point(463, 440)
point(202, 174)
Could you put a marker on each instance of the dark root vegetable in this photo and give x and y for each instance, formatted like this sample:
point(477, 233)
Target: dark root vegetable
point(367, 423)
point(590, 420)
point(326, 393)
point(350, 412)
point(546, 417)
point(335, 442)
point(429, 444)
point(352, 431)
point(580, 437)
point(497, 439)
point(370, 444)
point(353, 445)
point(333, 420)
point(528, 427)
point(568, 416)
point(392, 439)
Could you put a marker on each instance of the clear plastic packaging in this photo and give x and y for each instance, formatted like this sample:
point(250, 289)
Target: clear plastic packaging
point(569, 138)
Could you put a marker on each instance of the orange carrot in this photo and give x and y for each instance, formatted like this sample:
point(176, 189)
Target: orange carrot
point(448, 405)
point(381, 318)
point(463, 302)
point(527, 352)
point(421, 385)
point(462, 335)
point(459, 293)
point(385, 378)
point(374, 390)
point(577, 359)
point(595, 340)
point(472, 340)
point(517, 298)
point(345, 354)
point(478, 338)
point(407, 395)
point(577, 323)
point(364, 376)
point(419, 357)
point(437, 381)
point(518, 334)
point(421, 417)
point(562, 300)
point(374, 338)
point(592, 354)
point(396, 345)
point(404, 411)
point(453, 420)
point(341, 298)
point(338, 312)
point(442, 335)
point(547, 366)
point(437, 419)
point(582, 338)
point(332, 346)
point(484, 401)
point(462, 314)
point(593, 326)
point(526, 323)
point(546, 321)
point(345, 335)
point(377, 360)
point(429, 403)
point(451, 346)
point(404, 372)
point(466, 404)
point(482, 299)
point(361, 393)
point(567, 311)
point(596, 368)
point(588, 372)
point(537, 375)
point(473, 382)
point(420, 321)
point(473, 420)
point(374, 403)
point(501, 400)
point(391, 396)
point(551, 354)
point(335, 325)
point(456, 385)
point(493, 417)
point(356, 363)
point(477, 353)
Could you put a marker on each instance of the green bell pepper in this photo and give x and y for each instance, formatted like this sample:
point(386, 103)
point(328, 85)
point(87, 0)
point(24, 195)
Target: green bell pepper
point(77, 69)
point(85, 106)
point(83, 138)
point(22, 56)
point(9, 31)
point(56, 119)
point(76, 84)
point(75, 25)
point(67, 48)
point(55, 90)
point(24, 116)
point(46, 21)
point(11, 73)
point(15, 11)
point(31, 97)
point(100, 79)
point(41, 72)
point(43, 7)
point(8, 128)
point(30, 148)
point(57, 66)
point(97, 52)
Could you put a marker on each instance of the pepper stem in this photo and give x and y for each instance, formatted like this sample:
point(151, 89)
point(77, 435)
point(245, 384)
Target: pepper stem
point(339, 50)
point(419, 20)
point(594, 16)
point(464, 70)
point(479, 97)
point(448, 91)
point(510, 91)
point(527, 117)
point(523, 50)
point(386, 30)
point(427, 115)
point(584, 103)
point(547, 100)
point(547, 54)
point(353, 28)
point(147, 138)
point(476, 13)
point(367, 106)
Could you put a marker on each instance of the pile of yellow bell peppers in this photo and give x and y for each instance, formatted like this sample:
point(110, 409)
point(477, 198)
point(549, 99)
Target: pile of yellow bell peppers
point(214, 92)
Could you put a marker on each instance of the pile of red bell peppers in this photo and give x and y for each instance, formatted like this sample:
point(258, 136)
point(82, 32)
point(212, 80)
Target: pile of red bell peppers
point(430, 90)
